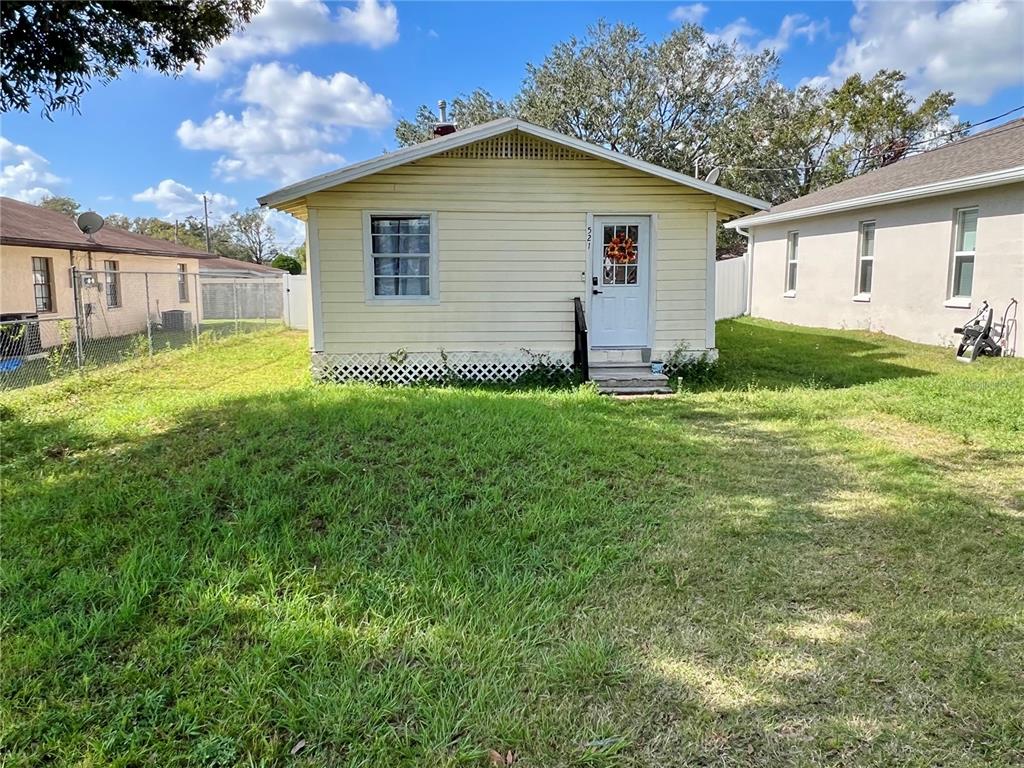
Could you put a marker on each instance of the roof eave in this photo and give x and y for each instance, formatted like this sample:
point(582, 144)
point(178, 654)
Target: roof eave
point(964, 183)
point(99, 248)
point(479, 133)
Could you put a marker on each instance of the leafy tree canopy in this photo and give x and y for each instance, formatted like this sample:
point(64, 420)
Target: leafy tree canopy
point(288, 263)
point(66, 205)
point(691, 103)
point(52, 51)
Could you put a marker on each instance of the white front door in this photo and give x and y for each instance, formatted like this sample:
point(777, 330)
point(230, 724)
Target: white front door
point(620, 277)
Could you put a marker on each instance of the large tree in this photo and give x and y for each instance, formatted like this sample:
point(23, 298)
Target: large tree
point(66, 205)
point(792, 142)
point(253, 233)
point(663, 102)
point(52, 51)
point(692, 102)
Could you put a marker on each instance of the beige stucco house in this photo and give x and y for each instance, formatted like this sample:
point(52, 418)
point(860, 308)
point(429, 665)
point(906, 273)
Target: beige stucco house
point(471, 249)
point(912, 249)
point(120, 275)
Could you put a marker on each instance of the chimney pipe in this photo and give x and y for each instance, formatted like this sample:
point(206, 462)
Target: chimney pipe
point(443, 127)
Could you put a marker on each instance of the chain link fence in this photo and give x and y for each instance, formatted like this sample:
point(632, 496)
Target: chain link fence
point(119, 316)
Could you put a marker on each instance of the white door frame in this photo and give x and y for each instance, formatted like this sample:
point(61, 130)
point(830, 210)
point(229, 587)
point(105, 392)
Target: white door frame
point(595, 241)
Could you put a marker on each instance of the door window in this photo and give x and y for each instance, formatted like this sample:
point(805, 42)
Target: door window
point(620, 263)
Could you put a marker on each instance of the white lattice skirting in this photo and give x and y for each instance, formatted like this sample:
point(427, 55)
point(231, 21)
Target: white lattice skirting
point(432, 366)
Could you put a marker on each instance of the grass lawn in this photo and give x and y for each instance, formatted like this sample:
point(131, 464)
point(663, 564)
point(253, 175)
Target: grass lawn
point(817, 560)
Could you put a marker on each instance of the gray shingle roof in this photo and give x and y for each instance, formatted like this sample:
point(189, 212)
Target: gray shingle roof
point(996, 149)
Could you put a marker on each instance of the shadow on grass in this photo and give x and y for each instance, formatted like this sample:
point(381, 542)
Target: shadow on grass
point(413, 577)
point(776, 356)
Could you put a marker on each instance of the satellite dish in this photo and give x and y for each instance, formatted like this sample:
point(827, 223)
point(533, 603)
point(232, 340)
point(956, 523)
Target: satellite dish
point(90, 223)
point(712, 177)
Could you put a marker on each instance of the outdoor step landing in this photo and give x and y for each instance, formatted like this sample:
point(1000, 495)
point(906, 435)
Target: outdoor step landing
point(608, 356)
point(625, 379)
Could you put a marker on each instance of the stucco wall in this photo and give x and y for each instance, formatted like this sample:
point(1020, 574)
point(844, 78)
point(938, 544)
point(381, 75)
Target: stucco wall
point(512, 253)
point(913, 249)
point(16, 293)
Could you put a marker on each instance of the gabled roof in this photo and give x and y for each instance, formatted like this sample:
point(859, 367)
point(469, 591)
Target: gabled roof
point(486, 131)
point(223, 264)
point(986, 159)
point(24, 224)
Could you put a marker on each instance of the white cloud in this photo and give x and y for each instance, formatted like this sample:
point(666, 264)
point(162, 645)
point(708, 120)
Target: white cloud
point(733, 32)
point(288, 231)
point(284, 26)
point(292, 118)
point(689, 14)
point(25, 174)
point(174, 200)
point(972, 47)
point(296, 96)
point(794, 25)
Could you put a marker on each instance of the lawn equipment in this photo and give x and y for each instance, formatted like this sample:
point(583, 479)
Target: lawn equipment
point(982, 336)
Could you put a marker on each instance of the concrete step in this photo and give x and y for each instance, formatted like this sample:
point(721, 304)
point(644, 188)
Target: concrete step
point(632, 387)
point(626, 372)
point(627, 356)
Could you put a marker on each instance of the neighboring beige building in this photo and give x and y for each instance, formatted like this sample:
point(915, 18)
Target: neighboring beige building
point(121, 274)
point(469, 250)
point(912, 249)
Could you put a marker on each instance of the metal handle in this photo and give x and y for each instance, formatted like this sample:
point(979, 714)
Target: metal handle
point(595, 291)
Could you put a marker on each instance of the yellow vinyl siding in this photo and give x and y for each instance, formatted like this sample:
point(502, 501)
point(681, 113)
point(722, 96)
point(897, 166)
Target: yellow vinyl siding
point(512, 253)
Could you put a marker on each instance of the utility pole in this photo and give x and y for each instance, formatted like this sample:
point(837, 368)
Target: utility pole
point(175, 231)
point(206, 218)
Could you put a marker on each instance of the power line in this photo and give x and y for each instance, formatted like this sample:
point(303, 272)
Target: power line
point(869, 155)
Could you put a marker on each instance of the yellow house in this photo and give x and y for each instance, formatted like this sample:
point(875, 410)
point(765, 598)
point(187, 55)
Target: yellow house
point(471, 251)
point(123, 277)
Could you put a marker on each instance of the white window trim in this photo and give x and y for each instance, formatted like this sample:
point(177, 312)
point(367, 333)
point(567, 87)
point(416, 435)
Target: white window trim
point(960, 302)
point(858, 294)
point(790, 293)
point(433, 275)
point(953, 299)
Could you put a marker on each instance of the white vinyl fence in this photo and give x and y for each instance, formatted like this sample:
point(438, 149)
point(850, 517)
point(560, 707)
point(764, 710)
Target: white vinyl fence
point(295, 301)
point(731, 287)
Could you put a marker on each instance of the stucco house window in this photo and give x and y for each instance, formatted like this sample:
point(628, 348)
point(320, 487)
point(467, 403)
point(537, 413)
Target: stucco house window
point(963, 253)
point(400, 257)
point(112, 284)
point(42, 283)
point(183, 283)
point(865, 260)
point(792, 245)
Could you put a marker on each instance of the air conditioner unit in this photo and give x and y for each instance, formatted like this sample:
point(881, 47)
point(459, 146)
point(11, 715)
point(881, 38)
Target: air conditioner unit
point(176, 320)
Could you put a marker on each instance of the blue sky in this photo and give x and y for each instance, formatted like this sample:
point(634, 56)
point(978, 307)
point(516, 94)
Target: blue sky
point(311, 86)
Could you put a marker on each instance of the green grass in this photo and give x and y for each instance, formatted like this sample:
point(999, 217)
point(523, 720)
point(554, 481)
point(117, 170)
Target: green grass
point(59, 361)
point(817, 560)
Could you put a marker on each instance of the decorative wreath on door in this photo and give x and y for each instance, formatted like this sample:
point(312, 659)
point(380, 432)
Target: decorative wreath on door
point(622, 250)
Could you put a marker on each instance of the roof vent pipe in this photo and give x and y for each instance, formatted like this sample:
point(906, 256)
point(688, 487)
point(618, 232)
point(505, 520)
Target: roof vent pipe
point(443, 127)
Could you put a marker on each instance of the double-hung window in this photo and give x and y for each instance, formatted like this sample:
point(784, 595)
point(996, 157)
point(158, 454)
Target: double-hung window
point(963, 253)
point(112, 284)
point(792, 245)
point(865, 259)
point(183, 283)
point(42, 283)
point(401, 257)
